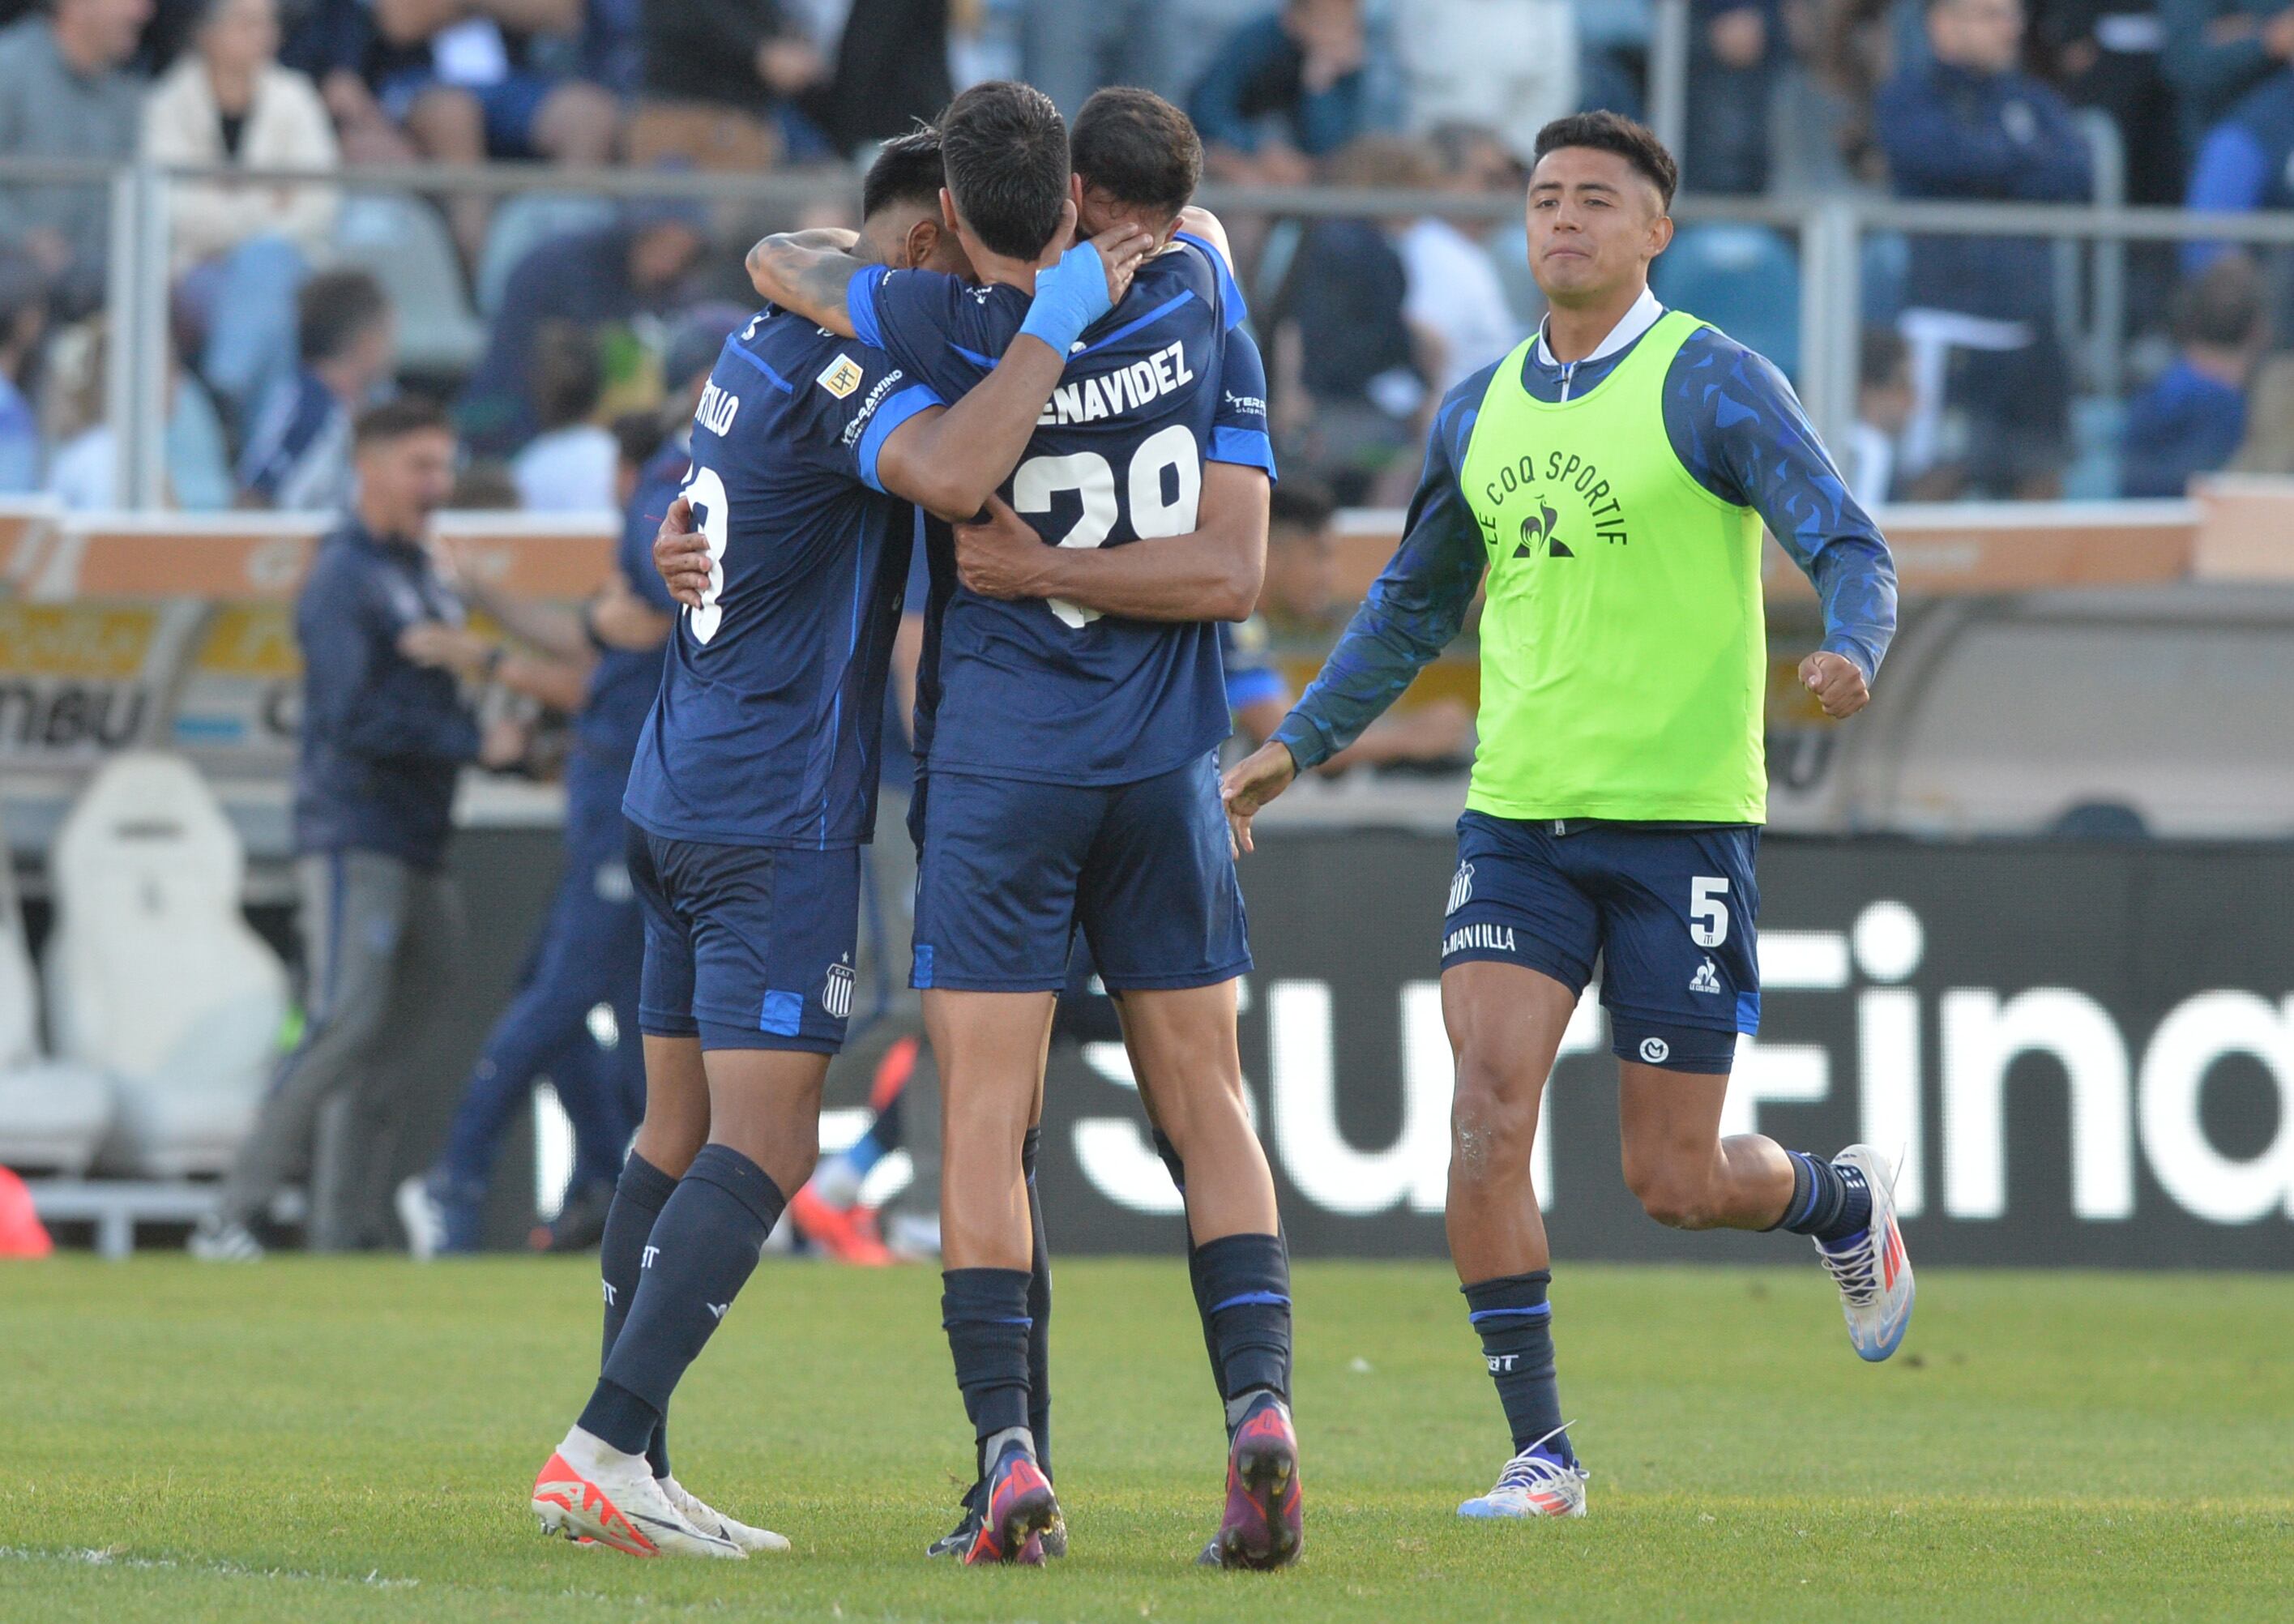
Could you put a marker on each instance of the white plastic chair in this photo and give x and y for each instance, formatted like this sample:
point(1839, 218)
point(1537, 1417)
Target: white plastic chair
point(405, 244)
point(522, 225)
point(154, 974)
point(52, 1116)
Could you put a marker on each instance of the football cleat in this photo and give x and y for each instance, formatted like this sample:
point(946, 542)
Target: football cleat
point(959, 1538)
point(581, 1221)
point(1021, 1506)
point(440, 1217)
point(709, 1520)
point(1871, 1268)
point(847, 1234)
point(214, 1241)
point(1533, 1485)
point(1263, 1526)
point(589, 1488)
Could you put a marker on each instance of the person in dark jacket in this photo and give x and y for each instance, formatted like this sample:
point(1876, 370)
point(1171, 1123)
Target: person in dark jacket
point(1981, 311)
point(384, 740)
point(2192, 420)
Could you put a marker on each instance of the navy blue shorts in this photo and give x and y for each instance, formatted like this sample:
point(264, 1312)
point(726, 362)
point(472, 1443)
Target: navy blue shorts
point(747, 947)
point(1009, 869)
point(1671, 913)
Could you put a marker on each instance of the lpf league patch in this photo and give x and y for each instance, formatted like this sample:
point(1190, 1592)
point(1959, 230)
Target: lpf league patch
point(842, 378)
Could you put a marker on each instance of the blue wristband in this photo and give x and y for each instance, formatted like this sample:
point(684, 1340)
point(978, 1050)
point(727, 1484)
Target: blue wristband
point(1069, 297)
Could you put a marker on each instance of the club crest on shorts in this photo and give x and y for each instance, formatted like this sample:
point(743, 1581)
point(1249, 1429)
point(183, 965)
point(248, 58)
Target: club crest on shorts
point(1461, 887)
point(836, 994)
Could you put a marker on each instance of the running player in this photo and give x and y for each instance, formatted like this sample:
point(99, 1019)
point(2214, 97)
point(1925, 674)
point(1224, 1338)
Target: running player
point(1610, 478)
point(1071, 780)
point(752, 789)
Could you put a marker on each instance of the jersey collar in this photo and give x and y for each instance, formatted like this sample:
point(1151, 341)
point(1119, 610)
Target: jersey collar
point(1637, 321)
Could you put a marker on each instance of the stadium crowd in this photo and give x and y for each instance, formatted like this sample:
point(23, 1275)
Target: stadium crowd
point(1969, 385)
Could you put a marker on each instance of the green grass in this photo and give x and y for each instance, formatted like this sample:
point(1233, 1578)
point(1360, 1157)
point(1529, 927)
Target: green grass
point(353, 1440)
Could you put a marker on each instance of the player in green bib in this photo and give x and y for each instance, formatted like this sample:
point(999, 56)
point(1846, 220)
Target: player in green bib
point(1606, 484)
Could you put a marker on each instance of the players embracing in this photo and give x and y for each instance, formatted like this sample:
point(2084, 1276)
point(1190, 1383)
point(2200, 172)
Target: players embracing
point(1605, 485)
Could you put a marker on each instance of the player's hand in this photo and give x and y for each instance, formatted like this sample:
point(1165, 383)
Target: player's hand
point(681, 554)
point(1121, 247)
point(1250, 784)
point(1002, 556)
point(621, 619)
point(444, 648)
point(1837, 682)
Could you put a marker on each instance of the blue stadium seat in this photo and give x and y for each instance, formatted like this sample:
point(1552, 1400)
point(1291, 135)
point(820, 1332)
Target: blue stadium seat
point(1743, 279)
point(522, 225)
point(405, 244)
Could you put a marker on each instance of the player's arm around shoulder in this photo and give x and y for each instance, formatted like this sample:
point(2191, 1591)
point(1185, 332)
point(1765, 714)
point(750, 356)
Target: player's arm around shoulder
point(809, 273)
point(1739, 429)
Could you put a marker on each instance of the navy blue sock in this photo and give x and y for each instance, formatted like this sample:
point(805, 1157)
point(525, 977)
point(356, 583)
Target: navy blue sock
point(704, 1245)
point(1039, 1313)
point(1178, 1171)
point(1245, 1290)
point(640, 1195)
point(1515, 1324)
point(1829, 1201)
point(985, 1313)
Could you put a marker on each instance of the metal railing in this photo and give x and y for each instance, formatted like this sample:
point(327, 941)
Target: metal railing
point(1829, 233)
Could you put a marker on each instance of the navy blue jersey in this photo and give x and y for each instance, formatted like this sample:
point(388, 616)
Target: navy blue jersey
point(765, 731)
point(1047, 690)
point(625, 681)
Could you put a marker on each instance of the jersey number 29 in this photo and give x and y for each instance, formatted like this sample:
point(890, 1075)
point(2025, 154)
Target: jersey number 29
point(1087, 473)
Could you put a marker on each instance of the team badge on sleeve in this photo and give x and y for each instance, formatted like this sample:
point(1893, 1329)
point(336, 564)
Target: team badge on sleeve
point(842, 378)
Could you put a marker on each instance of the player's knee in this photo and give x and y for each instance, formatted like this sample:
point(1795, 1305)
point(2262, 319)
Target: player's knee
point(1492, 1119)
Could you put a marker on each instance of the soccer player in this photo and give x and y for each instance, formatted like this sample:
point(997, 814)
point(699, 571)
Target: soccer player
point(1609, 479)
point(752, 789)
point(1070, 776)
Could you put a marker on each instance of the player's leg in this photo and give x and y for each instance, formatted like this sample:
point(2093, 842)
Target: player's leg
point(995, 906)
point(1517, 947)
point(1164, 918)
point(1681, 914)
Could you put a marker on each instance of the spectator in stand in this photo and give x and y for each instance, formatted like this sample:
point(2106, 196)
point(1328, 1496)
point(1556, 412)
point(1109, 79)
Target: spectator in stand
point(2109, 54)
point(1454, 301)
point(297, 455)
point(1351, 370)
point(1981, 311)
point(568, 468)
point(1734, 48)
point(2242, 164)
point(465, 81)
point(2218, 50)
point(1068, 51)
point(63, 95)
point(744, 83)
point(1293, 87)
point(1883, 406)
point(2191, 420)
point(23, 324)
point(593, 279)
point(1508, 65)
point(239, 252)
point(84, 471)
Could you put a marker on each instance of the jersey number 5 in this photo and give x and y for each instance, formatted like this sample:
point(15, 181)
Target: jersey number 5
point(1039, 479)
point(707, 492)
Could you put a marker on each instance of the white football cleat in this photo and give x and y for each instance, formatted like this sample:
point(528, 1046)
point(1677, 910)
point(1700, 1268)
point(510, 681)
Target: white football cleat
point(419, 1217)
point(1533, 1485)
point(1873, 1271)
point(216, 1241)
point(589, 1489)
point(706, 1517)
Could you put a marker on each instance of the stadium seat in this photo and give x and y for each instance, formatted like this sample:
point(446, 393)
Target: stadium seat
point(53, 1116)
point(524, 224)
point(153, 974)
point(1743, 279)
point(405, 244)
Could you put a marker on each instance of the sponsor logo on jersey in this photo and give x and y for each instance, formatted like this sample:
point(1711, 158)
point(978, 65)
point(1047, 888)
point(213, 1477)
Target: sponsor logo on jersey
point(1488, 938)
point(1461, 887)
point(1544, 480)
point(837, 996)
point(1706, 980)
point(1657, 1051)
point(868, 408)
point(842, 377)
point(1126, 389)
point(1538, 526)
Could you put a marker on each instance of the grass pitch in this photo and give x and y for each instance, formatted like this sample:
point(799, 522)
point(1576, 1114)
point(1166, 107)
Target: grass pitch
point(315, 1439)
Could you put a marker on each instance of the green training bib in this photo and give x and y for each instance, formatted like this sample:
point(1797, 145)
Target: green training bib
point(1624, 645)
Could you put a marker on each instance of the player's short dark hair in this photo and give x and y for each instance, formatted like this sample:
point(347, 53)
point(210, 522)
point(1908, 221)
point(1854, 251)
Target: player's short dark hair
point(1005, 150)
point(1138, 148)
point(1300, 503)
point(2222, 306)
point(334, 309)
point(395, 419)
point(907, 170)
point(1608, 132)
